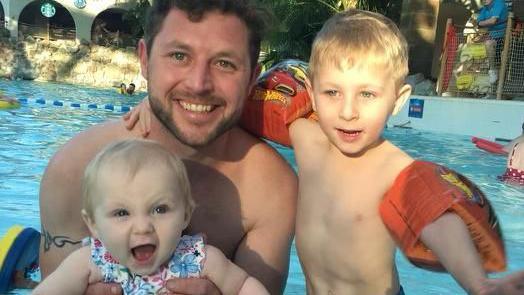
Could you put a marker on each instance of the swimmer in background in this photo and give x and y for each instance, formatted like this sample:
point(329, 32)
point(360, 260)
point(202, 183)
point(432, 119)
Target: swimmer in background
point(515, 163)
point(122, 88)
point(130, 89)
point(136, 203)
point(7, 102)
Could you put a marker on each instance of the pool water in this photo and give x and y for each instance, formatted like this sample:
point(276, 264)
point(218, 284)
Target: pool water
point(30, 135)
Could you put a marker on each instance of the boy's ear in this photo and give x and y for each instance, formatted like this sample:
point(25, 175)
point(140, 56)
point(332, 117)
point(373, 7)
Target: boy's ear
point(402, 97)
point(90, 223)
point(142, 56)
point(309, 90)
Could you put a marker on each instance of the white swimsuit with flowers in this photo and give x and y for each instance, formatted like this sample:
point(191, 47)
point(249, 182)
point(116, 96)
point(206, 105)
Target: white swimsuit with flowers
point(187, 262)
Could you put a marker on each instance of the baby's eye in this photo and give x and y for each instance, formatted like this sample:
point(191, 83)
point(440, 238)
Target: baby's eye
point(162, 209)
point(120, 213)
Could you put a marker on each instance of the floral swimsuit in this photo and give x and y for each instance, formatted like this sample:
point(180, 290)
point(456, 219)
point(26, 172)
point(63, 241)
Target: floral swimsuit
point(187, 262)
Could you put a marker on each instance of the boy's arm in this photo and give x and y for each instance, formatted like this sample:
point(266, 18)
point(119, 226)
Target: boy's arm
point(72, 276)
point(227, 276)
point(449, 239)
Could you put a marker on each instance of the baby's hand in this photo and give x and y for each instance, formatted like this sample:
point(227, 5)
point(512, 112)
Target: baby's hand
point(140, 114)
point(512, 284)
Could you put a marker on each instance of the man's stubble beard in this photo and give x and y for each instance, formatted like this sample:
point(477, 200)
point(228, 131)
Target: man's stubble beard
point(165, 116)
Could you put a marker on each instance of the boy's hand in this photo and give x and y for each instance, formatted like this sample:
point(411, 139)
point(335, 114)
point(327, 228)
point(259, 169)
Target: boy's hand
point(193, 286)
point(140, 114)
point(103, 289)
point(512, 284)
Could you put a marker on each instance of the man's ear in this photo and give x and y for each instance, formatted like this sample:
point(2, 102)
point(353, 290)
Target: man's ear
point(309, 90)
point(402, 96)
point(90, 223)
point(142, 56)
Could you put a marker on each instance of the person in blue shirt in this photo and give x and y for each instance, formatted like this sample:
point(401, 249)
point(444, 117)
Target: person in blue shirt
point(493, 16)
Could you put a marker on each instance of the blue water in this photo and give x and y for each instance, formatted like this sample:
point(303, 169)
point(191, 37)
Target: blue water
point(29, 136)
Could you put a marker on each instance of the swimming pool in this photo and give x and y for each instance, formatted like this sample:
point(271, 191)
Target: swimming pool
point(30, 136)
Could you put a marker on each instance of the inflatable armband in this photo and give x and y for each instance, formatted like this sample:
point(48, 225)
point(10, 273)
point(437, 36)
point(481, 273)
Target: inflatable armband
point(279, 98)
point(423, 192)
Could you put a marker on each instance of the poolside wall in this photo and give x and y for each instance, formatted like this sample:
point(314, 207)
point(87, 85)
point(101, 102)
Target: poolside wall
point(69, 62)
point(489, 119)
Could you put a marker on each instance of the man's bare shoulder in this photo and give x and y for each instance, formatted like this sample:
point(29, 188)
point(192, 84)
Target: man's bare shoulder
point(80, 149)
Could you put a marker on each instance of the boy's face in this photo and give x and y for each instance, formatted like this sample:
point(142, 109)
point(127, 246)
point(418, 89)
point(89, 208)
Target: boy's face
point(139, 220)
point(354, 104)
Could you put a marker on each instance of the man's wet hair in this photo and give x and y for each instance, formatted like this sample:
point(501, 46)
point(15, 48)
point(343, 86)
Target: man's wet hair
point(255, 17)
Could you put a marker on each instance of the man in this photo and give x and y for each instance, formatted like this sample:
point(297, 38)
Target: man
point(130, 89)
point(199, 58)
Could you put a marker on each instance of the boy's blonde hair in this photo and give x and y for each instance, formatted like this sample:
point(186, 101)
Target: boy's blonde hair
point(355, 36)
point(131, 156)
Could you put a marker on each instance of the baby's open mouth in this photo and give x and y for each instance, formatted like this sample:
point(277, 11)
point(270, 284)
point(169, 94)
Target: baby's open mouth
point(143, 252)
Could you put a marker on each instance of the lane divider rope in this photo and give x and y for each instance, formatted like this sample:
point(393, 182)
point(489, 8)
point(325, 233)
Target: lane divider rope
point(84, 106)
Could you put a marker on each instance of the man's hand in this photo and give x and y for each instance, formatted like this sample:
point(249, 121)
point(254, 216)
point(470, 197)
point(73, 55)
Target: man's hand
point(140, 114)
point(192, 286)
point(103, 289)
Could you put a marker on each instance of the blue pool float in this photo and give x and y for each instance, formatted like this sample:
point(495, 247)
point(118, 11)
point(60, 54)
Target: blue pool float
point(18, 252)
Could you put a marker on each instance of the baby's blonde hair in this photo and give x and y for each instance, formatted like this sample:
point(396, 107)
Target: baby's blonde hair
point(132, 155)
point(355, 36)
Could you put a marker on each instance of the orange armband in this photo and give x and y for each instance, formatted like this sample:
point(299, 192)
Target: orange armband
point(424, 191)
point(279, 98)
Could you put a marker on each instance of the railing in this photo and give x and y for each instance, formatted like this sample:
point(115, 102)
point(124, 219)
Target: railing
point(51, 32)
point(474, 64)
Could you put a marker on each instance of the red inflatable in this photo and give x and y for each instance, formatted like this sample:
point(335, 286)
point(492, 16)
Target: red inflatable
point(279, 98)
point(489, 146)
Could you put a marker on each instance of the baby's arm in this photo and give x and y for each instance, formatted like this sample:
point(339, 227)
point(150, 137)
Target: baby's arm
point(72, 276)
point(449, 239)
point(227, 276)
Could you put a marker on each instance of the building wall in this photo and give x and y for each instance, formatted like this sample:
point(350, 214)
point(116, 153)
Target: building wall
point(83, 17)
point(474, 117)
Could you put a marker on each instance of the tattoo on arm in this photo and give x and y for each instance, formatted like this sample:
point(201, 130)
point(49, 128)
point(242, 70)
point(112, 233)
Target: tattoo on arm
point(57, 241)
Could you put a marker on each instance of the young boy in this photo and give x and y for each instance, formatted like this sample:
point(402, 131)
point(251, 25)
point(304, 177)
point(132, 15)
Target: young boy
point(137, 202)
point(349, 175)
point(346, 168)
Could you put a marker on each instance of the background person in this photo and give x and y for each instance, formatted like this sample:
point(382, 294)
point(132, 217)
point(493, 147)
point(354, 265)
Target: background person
point(493, 16)
point(515, 162)
point(130, 89)
point(136, 203)
point(200, 62)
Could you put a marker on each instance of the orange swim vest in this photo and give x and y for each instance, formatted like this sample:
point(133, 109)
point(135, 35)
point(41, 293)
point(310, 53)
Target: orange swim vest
point(424, 191)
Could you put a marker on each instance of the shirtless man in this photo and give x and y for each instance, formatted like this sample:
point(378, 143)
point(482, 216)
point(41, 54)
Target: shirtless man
point(200, 62)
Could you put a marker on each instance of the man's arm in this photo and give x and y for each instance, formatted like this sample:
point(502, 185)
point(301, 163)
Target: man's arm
point(61, 195)
point(264, 251)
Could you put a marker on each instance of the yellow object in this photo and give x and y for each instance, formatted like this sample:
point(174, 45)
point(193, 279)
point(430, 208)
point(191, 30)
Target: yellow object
point(473, 51)
point(464, 81)
point(8, 104)
point(7, 241)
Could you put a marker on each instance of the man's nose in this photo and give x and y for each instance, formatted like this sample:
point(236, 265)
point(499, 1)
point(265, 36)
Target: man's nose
point(199, 78)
